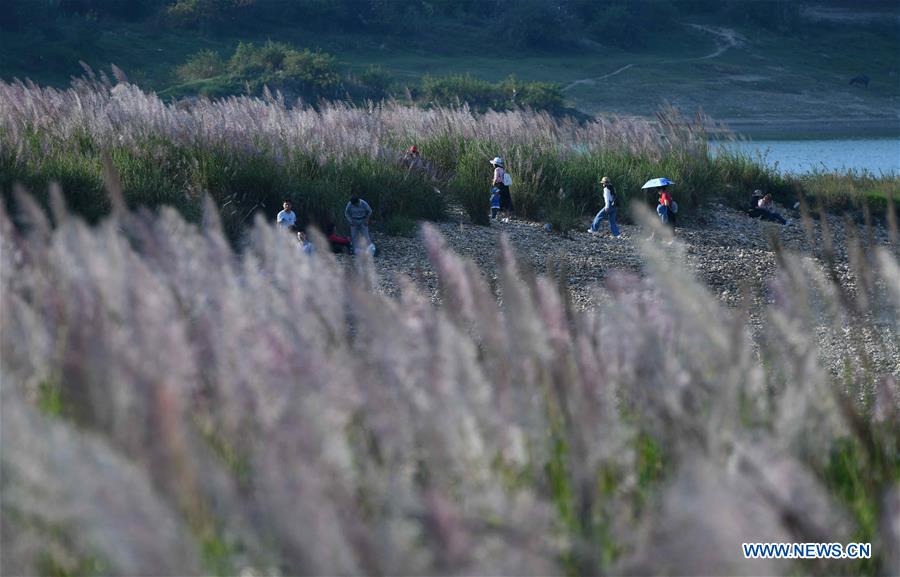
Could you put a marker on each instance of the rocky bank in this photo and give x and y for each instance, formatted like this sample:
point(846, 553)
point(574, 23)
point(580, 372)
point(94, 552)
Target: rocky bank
point(732, 254)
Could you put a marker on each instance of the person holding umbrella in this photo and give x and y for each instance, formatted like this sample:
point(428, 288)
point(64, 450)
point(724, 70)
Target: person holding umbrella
point(666, 207)
point(610, 204)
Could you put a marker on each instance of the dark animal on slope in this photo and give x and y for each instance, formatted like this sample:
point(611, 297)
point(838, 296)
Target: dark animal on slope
point(861, 79)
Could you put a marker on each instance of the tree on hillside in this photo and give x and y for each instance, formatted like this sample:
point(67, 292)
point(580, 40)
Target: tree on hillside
point(777, 15)
point(124, 10)
point(202, 13)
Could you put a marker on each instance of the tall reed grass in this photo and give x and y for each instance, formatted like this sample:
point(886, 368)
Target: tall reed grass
point(170, 407)
point(853, 190)
point(249, 154)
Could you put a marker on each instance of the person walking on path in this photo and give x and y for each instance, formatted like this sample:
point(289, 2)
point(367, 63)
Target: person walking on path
point(358, 212)
point(502, 181)
point(286, 218)
point(610, 205)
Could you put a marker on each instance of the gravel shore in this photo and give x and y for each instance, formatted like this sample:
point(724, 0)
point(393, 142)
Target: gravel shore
point(729, 252)
point(724, 248)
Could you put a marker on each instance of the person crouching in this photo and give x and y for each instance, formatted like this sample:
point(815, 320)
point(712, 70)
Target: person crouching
point(358, 212)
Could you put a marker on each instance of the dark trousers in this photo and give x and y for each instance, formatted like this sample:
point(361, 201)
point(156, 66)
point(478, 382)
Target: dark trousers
point(506, 202)
point(771, 216)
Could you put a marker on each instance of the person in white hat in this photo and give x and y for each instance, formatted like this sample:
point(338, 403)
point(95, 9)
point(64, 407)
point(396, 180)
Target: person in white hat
point(610, 206)
point(502, 181)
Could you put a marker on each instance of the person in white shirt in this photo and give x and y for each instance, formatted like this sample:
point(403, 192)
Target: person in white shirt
point(610, 205)
point(767, 210)
point(286, 218)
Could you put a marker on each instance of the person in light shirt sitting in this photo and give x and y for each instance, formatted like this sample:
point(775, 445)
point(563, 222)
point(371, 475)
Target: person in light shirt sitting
point(767, 210)
point(305, 246)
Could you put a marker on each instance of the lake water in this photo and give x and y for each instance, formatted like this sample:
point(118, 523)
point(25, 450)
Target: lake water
point(875, 155)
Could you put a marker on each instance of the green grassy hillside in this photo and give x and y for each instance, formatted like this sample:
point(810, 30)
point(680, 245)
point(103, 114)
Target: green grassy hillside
point(738, 70)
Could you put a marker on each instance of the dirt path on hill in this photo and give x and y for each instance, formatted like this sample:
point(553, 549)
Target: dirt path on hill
point(726, 38)
point(592, 81)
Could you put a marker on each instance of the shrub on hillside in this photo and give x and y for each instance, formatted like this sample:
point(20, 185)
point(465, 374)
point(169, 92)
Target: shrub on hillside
point(534, 25)
point(537, 95)
point(456, 90)
point(278, 65)
point(628, 25)
point(481, 95)
point(198, 13)
point(202, 65)
point(375, 82)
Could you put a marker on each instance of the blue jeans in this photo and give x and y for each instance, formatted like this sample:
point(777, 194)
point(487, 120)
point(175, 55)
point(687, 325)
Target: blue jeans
point(663, 212)
point(611, 213)
point(358, 229)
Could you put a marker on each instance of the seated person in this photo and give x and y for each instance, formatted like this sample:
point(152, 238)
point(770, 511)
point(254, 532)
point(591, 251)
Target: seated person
point(305, 246)
point(753, 208)
point(766, 210)
point(338, 243)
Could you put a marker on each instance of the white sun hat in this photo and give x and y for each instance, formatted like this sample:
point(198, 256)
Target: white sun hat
point(497, 161)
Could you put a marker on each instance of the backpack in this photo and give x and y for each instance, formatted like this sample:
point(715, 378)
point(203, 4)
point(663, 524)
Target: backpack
point(507, 179)
point(614, 198)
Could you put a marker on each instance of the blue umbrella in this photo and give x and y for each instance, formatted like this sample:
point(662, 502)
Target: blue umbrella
point(656, 183)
